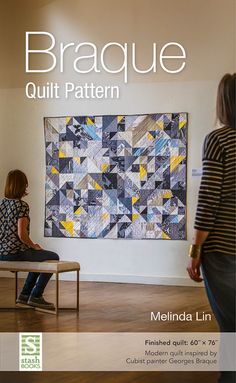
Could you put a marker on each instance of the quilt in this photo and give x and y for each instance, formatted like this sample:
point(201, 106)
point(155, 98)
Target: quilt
point(116, 176)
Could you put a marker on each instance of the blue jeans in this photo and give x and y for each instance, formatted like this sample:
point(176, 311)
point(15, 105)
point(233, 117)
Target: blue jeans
point(35, 282)
point(218, 271)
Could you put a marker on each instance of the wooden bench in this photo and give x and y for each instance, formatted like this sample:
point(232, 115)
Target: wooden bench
point(55, 267)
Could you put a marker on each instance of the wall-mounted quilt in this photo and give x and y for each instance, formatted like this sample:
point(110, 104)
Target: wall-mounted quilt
point(116, 176)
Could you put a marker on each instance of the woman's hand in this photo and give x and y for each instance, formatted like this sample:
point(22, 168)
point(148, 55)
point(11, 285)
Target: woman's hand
point(193, 269)
point(194, 264)
point(37, 247)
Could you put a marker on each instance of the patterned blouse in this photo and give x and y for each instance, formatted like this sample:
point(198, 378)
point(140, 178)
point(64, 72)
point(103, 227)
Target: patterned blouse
point(10, 211)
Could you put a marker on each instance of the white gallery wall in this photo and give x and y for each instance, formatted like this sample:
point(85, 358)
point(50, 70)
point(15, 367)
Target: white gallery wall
point(193, 91)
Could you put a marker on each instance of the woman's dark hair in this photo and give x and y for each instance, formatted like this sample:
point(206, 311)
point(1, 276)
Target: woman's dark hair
point(16, 185)
point(225, 103)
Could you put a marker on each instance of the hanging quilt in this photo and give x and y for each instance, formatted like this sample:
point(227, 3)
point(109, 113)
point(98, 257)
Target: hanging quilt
point(116, 176)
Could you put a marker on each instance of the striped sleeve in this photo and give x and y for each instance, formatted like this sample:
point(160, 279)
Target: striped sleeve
point(210, 189)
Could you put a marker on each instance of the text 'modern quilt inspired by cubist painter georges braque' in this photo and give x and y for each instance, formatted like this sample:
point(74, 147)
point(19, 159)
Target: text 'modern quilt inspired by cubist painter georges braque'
point(116, 176)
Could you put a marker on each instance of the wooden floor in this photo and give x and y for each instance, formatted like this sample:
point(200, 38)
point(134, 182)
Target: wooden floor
point(108, 307)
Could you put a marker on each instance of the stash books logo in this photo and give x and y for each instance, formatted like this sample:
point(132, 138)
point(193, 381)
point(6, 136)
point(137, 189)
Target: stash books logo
point(30, 352)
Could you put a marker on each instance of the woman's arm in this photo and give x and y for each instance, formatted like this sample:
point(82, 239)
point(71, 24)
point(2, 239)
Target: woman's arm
point(199, 237)
point(24, 235)
point(209, 197)
point(194, 264)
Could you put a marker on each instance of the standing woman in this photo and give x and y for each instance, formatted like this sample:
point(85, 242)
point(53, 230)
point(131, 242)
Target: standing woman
point(213, 245)
point(15, 243)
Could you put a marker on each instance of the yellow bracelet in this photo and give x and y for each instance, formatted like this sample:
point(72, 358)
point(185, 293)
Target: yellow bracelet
point(195, 251)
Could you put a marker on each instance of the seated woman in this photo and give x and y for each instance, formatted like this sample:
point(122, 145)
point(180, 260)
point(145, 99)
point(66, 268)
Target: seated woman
point(15, 243)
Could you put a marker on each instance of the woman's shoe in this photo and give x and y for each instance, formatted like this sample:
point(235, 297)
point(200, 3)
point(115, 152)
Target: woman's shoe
point(41, 303)
point(23, 299)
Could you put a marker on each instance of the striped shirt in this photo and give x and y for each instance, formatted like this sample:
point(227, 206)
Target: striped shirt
point(216, 199)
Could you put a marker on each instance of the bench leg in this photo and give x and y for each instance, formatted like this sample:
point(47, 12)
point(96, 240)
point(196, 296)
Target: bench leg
point(57, 292)
point(16, 285)
point(77, 291)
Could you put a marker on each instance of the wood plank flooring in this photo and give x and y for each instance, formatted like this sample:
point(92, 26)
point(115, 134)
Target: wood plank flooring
point(108, 307)
point(109, 377)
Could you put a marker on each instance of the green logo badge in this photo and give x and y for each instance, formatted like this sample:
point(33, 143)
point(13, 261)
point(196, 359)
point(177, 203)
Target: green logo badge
point(30, 351)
